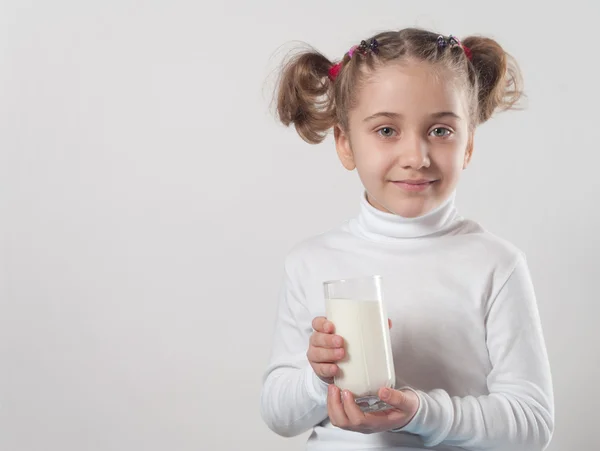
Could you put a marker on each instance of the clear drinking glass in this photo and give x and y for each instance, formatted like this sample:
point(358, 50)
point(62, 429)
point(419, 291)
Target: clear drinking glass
point(355, 306)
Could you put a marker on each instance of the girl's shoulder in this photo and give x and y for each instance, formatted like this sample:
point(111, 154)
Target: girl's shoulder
point(479, 239)
point(312, 246)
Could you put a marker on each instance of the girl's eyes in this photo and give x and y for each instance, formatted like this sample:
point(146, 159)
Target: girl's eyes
point(386, 132)
point(438, 132)
point(441, 132)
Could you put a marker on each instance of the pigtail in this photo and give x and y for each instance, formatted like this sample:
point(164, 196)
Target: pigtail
point(305, 96)
point(499, 79)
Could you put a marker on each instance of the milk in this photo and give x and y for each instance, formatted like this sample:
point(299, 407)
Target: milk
point(368, 364)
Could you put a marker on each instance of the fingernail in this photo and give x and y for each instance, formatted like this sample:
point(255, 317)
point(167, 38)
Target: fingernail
point(339, 353)
point(337, 341)
point(385, 393)
point(346, 394)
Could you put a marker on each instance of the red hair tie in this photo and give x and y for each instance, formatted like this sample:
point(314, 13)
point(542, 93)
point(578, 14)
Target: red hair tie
point(334, 71)
point(364, 47)
point(468, 52)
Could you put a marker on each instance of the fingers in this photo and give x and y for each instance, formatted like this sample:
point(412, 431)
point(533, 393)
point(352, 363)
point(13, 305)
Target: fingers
point(325, 349)
point(344, 412)
point(320, 324)
point(325, 355)
point(335, 409)
point(405, 400)
point(355, 416)
point(321, 340)
point(325, 371)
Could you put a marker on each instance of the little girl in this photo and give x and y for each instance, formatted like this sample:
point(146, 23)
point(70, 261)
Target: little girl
point(471, 365)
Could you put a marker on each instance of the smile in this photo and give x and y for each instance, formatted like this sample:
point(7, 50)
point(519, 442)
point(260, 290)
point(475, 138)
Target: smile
point(414, 185)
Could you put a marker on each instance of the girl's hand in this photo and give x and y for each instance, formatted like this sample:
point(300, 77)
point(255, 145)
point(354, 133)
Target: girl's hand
point(325, 349)
point(346, 414)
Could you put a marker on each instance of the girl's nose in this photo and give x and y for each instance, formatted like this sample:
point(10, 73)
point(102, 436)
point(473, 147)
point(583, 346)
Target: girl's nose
point(413, 152)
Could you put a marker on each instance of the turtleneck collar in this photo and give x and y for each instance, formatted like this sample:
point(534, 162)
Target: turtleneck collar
point(377, 224)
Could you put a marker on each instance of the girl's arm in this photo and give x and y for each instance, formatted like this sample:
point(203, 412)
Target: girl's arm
point(518, 413)
point(293, 398)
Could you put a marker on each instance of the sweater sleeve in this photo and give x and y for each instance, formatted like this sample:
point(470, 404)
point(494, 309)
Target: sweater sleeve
point(518, 412)
point(293, 398)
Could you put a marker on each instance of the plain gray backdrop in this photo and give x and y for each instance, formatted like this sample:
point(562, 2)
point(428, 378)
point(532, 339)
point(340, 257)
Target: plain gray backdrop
point(148, 198)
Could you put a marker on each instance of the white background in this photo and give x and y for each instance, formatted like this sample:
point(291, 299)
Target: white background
point(148, 198)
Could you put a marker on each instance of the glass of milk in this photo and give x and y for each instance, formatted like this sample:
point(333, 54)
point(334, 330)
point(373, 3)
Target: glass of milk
point(355, 307)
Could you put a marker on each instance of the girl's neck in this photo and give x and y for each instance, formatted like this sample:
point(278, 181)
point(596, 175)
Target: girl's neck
point(381, 224)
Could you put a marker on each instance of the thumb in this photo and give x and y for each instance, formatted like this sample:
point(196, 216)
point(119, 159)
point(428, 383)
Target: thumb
point(404, 400)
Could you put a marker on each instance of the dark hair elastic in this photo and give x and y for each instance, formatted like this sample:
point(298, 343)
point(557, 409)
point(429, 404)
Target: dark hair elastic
point(453, 41)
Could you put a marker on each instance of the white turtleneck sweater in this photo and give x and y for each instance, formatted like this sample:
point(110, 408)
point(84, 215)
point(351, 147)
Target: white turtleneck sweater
point(467, 335)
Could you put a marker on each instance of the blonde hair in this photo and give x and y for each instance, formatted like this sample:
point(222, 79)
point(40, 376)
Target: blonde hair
point(309, 99)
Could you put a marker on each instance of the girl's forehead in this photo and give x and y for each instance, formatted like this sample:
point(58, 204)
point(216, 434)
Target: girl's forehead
point(410, 88)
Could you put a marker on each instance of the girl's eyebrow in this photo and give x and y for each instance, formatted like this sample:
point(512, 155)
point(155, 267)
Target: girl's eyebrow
point(444, 114)
point(398, 115)
point(383, 114)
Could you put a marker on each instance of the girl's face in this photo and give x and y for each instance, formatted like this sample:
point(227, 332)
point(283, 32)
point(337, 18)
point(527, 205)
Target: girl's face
point(408, 138)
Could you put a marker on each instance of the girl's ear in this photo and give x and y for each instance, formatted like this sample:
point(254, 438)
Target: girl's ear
point(469, 150)
point(343, 148)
